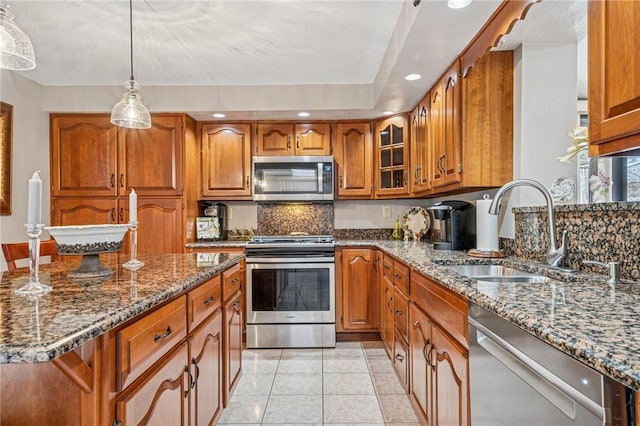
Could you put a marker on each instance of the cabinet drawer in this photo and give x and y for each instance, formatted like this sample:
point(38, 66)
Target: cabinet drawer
point(401, 313)
point(445, 308)
point(232, 280)
point(203, 301)
point(387, 267)
point(401, 276)
point(145, 341)
point(401, 359)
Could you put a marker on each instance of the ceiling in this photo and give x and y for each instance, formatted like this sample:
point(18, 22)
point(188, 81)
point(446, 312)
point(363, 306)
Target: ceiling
point(331, 46)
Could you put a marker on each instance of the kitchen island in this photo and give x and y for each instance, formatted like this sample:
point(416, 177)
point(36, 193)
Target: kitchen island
point(71, 355)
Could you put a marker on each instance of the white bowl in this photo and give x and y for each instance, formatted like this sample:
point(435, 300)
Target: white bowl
point(88, 238)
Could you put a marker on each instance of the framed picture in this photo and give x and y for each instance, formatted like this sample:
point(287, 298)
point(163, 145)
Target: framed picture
point(6, 126)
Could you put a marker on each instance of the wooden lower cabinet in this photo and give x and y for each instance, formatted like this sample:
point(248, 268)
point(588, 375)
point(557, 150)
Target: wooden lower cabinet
point(359, 290)
point(439, 367)
point(206, 360)
point(232, 312)
point(162, 397)
point(401, 359)
point(387, 315)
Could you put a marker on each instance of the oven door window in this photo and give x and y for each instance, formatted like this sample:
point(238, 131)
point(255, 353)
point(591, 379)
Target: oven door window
point(300, 290)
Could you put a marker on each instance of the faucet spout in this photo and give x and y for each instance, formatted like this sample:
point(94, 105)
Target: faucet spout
point(555, 253)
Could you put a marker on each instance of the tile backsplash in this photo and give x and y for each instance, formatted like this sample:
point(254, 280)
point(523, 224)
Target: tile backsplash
point(604, 232)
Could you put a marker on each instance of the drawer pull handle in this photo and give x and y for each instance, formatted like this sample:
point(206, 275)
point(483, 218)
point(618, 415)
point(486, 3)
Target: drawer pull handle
point(235, 280)
point(113, 180)
point(121, 180)
point(235, 306)
point(163, 335)
point(195, 364)
point(398, 312)
point(210, 300)
point(433, 366)
point(399, 357)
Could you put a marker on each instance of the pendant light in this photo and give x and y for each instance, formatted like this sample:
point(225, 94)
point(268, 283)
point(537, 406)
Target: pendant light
point(16, 50)
point(130, 112)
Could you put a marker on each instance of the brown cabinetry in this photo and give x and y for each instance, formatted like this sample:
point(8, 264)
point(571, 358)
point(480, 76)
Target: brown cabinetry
point(225, 160)
point(614, 76)
point(392, 157)
point(293, 139)
point(420, 158)
point(94, 165)
point(354, 160)
point(386, 304)
point(439, 353)
point(232, 293)
point(359, 290)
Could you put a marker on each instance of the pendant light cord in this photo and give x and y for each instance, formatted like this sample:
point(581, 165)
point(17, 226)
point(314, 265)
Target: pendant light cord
point(131, 34)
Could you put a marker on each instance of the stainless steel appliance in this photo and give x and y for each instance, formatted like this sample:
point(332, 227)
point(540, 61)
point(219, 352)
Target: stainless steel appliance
point(291, 291)
point(293, 178)
point(453, 225)
point(517, 379)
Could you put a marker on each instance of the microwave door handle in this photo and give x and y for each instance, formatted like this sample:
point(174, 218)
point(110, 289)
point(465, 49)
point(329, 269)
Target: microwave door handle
point(320, 176)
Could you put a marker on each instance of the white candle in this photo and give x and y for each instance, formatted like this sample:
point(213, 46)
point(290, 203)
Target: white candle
point(133, 206)
point(35, 197)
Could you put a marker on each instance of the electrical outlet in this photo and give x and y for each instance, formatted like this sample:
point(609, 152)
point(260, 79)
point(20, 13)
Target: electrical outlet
point(386, 211)
point(229, 212)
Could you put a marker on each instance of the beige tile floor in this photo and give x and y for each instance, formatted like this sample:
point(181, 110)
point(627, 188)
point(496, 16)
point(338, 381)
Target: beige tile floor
point(352, 384)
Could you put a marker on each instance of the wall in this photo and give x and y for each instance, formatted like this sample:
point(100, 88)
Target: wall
point(30, 152)
point(545, 96)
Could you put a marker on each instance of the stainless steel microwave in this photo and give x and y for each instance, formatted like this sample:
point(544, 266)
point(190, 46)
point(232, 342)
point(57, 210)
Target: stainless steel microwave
point(293, 178)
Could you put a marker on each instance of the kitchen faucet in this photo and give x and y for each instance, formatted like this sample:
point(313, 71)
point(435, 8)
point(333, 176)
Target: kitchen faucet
point(555, 253)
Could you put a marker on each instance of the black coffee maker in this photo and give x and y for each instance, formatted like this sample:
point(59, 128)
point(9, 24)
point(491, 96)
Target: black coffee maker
point(453, 225)
point(211, 224)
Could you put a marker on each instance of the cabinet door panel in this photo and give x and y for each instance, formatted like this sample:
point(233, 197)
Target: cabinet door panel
point(451, 126)
point(313, 139)
point(419, 345)
point(358, 292)
point(206, 364)
point(83, 211)
point(614, 80)
point(450, 380)
point(160, 224)
point(392, 157)
point(83, 155)
point(226, 160)
point(161, 399)
point(436, 135)
point(354, 159)
point(150, 160)
point(233, 345)
point(275, 139)
point(387, 313)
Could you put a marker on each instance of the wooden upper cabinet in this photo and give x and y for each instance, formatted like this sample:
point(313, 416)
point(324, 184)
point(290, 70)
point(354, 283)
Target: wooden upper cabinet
point(293, 139)
point(274, 139)
point(420, 169)
point(446, 142)
point(83, 155)
point(160, 227)
point(92, 157)
point(226, 160)
point(150, 160)
point(313, 139)
point(83, 211)
point(614, 76)
point(392, 157)
point(354, 159)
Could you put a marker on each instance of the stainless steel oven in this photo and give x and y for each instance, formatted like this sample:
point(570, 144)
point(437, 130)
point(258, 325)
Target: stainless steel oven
point(291, 292)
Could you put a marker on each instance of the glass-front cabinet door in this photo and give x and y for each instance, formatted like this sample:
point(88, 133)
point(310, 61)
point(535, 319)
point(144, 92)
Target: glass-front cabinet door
point(392, 157)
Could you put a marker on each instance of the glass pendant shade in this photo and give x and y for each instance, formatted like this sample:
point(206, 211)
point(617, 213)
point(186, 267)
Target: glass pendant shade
point(458, 4)
point(130, 112)
point(16, 50)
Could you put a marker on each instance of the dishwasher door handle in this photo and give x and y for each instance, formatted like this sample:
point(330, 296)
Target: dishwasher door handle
point(559, 393)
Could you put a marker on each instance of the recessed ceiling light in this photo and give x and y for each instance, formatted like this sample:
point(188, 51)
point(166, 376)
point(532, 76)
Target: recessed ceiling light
point(387, 113)
point(411, 77)
point(303, 114)
point(458, 4)
point(219, 115)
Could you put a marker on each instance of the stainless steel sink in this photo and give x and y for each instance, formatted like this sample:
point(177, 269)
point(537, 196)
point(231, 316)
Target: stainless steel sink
point(497, 273)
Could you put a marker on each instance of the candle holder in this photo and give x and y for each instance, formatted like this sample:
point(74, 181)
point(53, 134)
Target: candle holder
point(33, 286)
point(133, 264)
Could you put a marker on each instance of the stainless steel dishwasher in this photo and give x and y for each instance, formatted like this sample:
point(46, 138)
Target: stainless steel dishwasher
point(517, 379)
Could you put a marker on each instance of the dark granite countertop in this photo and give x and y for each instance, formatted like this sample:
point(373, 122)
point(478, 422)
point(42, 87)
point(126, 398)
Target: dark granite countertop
point(78, 310)
point(579, 313)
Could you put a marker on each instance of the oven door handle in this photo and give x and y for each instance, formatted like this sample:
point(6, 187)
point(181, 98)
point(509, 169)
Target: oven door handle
point(315, 259)
point(559, 393)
